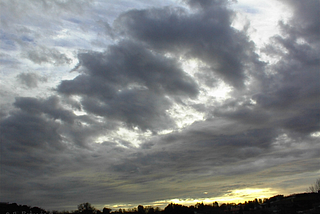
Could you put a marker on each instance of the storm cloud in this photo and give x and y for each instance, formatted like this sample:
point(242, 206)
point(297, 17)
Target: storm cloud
point(177, 102)
point(205, 35)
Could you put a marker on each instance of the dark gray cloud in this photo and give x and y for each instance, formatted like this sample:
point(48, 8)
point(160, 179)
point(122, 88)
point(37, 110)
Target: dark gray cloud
point(129, 83)
point(50, 106)
point(41, 55)
point(130, 64)
point(199, 4)
point(30, 79)
point(205, 35)
point(262, 136)
point(34, 125)
point(45, 150)
point(293, 90)
point(305, 21)
point(23, 130)
point(205, 153)
point(136, 108)
point(285, 94)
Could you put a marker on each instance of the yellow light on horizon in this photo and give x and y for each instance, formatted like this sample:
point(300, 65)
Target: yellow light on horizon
point(233, 196)
point(242, 195)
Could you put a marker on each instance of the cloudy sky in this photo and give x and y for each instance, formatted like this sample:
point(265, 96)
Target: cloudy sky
point(127, 102)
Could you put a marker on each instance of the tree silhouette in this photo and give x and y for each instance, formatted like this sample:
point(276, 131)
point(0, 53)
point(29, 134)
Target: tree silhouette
point(315, 187)
point(141, 209)
point(106, 210)
point(86, 208)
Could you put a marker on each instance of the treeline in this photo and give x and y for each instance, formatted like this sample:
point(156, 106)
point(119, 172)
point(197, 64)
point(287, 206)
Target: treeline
point(298, 203)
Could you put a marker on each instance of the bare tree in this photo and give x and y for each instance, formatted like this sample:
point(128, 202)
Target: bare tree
point(86, 208)
point(315, 187)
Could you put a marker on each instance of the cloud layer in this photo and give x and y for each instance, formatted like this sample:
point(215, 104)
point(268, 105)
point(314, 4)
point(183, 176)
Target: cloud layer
point(109, 131)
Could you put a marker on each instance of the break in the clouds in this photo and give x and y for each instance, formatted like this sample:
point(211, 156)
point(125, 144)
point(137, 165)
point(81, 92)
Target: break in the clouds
point(119, 103)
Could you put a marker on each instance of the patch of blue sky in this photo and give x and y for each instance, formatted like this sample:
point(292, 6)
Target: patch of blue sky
point(73, 20)
point(7, 42)
point(72, 43)
point(8, 61)
point(27, 39)
point(247, 9)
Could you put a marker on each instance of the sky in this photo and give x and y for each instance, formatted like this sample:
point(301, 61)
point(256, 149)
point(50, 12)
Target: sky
point(127, 102)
